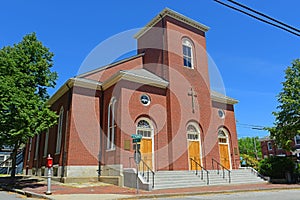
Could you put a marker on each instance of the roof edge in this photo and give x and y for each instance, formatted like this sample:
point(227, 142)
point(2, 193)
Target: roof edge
point(81, 82)
point(175, 15)
point(221, 98)
point(110, 65)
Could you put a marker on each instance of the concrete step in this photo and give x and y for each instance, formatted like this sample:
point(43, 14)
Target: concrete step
point(181, 179)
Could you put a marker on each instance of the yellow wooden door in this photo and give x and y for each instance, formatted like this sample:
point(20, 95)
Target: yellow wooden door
point(194, 153)
point(224, 155)
point(146, 152)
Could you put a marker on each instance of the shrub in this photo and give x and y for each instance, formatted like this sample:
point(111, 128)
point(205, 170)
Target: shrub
point(276, 167)
point(249, 161)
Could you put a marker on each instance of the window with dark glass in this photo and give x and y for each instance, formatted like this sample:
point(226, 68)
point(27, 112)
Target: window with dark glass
point(144, 128)
point(111, 129)
point(187, 53)
point(192, 133)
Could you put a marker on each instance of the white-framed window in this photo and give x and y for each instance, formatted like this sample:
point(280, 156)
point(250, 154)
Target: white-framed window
point(2, 158)
point(222, 137)
point(269, 146)
point(297, 140)
point(46, 143)
point(111, 125)
point(192, 133)
point(37, 143)
point(59, 130)
point(29, 149)
point(144, 128)
point(187, 51)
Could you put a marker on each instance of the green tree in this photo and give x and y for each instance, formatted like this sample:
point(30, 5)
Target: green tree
point(24, 78)
point(287, 118)
point(250, 146)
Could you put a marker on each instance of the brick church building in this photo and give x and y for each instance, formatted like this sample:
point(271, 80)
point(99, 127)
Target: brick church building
point(162, 93)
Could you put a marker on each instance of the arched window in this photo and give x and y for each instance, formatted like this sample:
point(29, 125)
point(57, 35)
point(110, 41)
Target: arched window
point(111, 129)
point(192, 133)
point(46, 143)
point(222, 137)
point(187, 50)
point(59, 130)
point(144, 129)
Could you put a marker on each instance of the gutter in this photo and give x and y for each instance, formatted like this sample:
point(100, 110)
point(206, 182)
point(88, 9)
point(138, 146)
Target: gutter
point(101, 106)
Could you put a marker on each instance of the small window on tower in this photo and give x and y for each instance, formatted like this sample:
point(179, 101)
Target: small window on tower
point(187, 50)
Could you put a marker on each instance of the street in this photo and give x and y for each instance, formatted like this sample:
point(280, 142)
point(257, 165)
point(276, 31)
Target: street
point(265, 195)
point(12, 196)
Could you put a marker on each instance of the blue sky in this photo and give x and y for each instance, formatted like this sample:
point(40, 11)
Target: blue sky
point(250, 55)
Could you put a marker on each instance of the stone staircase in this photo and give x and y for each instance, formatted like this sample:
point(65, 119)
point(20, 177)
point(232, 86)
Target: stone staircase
point(182, 179)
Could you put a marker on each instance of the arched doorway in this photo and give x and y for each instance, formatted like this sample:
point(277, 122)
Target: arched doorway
point(145, 128)
point(224, 148)
point(193, 140)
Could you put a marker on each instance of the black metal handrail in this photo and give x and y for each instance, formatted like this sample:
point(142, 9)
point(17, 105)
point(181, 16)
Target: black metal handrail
point(143, 171)
point(219, 165)
point(201, 169)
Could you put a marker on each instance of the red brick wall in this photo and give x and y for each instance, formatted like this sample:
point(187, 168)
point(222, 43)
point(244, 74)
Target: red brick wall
point(63, 101)
point(182, 79)
point(84, 139)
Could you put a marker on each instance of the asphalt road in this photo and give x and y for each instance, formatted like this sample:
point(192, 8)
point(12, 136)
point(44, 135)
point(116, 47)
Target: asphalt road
point(12, 196)
point(265, 195)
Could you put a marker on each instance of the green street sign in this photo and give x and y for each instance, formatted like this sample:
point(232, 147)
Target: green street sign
point(136, 136)
point(136, 140)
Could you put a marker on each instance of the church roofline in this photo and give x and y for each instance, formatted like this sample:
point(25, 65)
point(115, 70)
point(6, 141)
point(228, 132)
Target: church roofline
point(138, 76)
point(109, 65)
point(172, 14)
point(221, 98)
point(77, 81)
point(143, 76)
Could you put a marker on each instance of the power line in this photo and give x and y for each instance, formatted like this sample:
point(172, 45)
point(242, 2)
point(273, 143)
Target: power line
point(284, 26)
point(251, 126)
point(264, 15)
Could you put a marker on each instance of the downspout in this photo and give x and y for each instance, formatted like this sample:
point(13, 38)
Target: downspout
point(101, 107)
point(66, 132)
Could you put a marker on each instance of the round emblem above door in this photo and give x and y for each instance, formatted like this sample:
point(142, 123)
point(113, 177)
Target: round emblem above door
point(145, 100)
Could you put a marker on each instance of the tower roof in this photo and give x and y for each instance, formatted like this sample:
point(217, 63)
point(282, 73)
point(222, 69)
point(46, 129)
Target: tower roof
point(174, 15)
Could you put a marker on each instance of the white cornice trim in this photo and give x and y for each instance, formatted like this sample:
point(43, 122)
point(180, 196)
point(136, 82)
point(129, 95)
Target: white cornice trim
point(80, 82)
point(125, 75)
point(218, 97)
point(91, 84)
point(175, 15)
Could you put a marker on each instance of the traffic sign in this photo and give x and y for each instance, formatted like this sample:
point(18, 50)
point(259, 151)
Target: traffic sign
point(136, 140)
point(136, 136)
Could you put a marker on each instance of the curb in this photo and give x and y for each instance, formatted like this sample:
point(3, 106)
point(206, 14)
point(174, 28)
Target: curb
point(26, 193)
point(162, 195)
point(154, 196)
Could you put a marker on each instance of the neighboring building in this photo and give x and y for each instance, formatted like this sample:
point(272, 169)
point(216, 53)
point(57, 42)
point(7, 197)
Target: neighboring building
point(6, 161)
point(270, 148)
point(163, 93)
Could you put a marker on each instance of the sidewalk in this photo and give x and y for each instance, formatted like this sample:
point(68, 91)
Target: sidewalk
point(36, 187)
